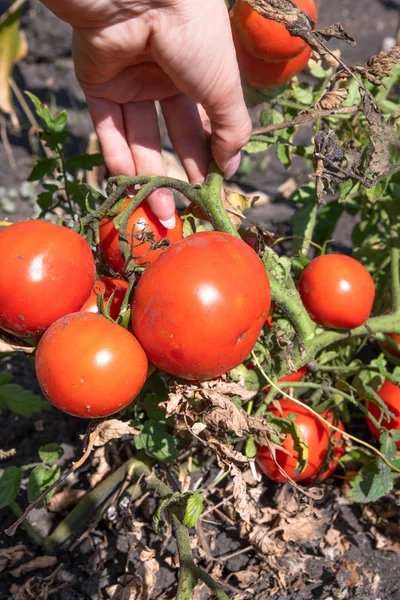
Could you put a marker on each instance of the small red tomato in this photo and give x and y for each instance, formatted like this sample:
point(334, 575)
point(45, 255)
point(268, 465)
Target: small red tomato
point(199, 309)
point(88, 366)
point(142, 225)
point(107, 285)
point(390, 394)
point(314, 434)
point(267, 39)
point(261, 74)
point(47, 271)
point(337, 291)
point(294, 376)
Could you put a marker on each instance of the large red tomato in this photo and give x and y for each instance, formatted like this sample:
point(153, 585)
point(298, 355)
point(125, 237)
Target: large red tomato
point(262, 74)
point(46, 271)
point(141, 223)
point(198, 310)
point(336, 440)
point(266, 39)
point(315, 435)
point(88, 366)
point(107, 286)
point(390, 394)
point(337, 291)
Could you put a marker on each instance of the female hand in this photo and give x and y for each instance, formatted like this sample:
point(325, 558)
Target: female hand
point(129, 54)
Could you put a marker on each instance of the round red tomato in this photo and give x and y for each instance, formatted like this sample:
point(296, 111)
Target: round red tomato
point(198, 310)
point(294, 376)
point(390, 394)
point(315, 435)
point(266, 39)
point(142, 224)
point(46, 271)
point(88, 366)
point(337, 291)
point(107, 286)
point(261, 74)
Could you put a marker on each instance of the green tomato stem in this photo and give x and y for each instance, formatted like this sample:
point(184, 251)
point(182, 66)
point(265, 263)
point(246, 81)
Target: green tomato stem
point(395, 275)
point(30, 530)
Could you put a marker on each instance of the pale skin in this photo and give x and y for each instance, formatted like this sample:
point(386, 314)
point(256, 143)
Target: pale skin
point(129, 54)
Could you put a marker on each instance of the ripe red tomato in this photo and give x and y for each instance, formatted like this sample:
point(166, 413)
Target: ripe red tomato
point(390, 394)
point(107, 285)
point(336, 440)
point(141, 222)
point(88, 366)
point(337, 291)
point(46, 270)
point(199, 308)
point(261, 74)
point(266, 39)
point(315, 435)
point(290, 377)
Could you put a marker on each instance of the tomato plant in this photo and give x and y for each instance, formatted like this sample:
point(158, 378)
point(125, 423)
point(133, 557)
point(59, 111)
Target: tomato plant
point(337, 291)
point(313, 433)
point(108, 286)
point(390, 396)
point(145, 235)
point(47, 271)
point(217, 284)
point(290, 378)
point(266, 39)
point(262, 74)
point(88, 366)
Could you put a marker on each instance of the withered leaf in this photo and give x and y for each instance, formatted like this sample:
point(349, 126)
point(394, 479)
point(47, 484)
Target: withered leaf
point(40, 562)
point(113, 430)
point(241, 501)
point(332, 99)
point(65, 500)
point(10, 556)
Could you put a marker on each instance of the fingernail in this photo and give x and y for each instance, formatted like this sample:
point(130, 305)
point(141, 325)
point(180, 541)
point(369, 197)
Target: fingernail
point(233, 166)
point(168, 223)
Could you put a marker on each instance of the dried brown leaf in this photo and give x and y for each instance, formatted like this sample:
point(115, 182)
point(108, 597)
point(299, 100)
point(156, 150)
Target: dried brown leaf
point(332, 99)
point(241, 501)
point(379, 66)
point(40, 562)
point(11, 556)
point(114, 429)
point(65, 500)
point(303, 527)
point(265, 543)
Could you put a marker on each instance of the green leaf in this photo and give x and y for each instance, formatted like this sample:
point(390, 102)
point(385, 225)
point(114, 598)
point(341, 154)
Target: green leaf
point(53, 139)
point(278, 267)
point(21, 401)
point(270, 116)
point(51, 453)
point(283, 154)
point(60, 122)
point(174, 498)
point(303, 220)
point(43, 167)
point(157, 442)
point(193, 510)
point(40, 478)
point(41, 110)
point(371, 483)
point(251, 379)
point(316, 69)
point(84, 161)
point(259, 143)
point(44, 201)
point(303, 95)
point(9, 485)
point(250, 448)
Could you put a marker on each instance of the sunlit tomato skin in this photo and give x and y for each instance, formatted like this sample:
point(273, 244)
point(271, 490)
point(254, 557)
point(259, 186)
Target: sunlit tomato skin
point(315, 435)
point(337, 291)
point(142, 221)
point(198, 310)
point(107, 285)
point(261, 74)
point(336, 440)
point(390, 394)
point(292, 377)
point(89, 367)
point(266, 39)
point(46, 271)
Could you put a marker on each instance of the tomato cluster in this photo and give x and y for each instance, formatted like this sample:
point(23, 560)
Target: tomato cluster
point(268, 56)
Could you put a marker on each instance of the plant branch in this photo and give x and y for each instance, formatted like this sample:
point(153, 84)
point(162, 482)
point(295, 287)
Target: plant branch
point(395, 276)
point(304, 117)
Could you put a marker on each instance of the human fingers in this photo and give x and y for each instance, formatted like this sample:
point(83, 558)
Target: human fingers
point(186, 132)
point(143, 138)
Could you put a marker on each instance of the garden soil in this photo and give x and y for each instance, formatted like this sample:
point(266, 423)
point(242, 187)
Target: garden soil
point(329, 549)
